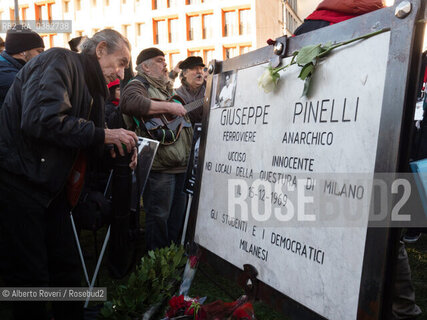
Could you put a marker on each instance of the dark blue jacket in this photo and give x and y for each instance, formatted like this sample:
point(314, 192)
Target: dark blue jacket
point(9, 67)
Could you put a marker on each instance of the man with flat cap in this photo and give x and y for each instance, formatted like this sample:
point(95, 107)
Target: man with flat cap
point(22, 44)
point(164, 199)
point(193, 84)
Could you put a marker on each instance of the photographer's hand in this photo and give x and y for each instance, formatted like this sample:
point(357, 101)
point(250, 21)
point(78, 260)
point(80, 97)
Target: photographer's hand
point(119, 137)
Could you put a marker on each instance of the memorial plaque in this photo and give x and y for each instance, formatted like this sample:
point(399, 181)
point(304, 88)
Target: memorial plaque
point(272, 160)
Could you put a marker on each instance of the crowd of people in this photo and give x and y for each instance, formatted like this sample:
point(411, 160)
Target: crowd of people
point(67, 109)
point(63, 112)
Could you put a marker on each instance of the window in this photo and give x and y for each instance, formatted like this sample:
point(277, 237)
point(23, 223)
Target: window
point(173, 59)
point(244, 21)
point(173, 30)
point(208, 55)
point(126, 30)
point(160, 4)
point(230, 23)
point(207, 21)
point(48, 40)
point(66, 6)
point(231, 51)
point(236, 22)
point(290, 19)
point(173, 3)
point(194, 28)
point(43, 12)
point(78, 5)
point(140, 29)
point(200, 26)
point(293, 5)
point(22, 13)
point(160, 31)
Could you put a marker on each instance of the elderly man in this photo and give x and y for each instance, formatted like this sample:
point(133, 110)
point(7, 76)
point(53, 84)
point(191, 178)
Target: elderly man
point(20, 47)
point(193, 84)
point(164, 200)
point(51, 125)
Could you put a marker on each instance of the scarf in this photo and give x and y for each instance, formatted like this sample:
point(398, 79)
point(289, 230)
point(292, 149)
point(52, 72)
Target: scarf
point(164, 87)
point(190, 95)
point(97, 86)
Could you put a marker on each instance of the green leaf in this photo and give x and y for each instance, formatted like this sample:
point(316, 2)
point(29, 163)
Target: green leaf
point(306, 71)
point(327, 46)
point(307, 54)
point(107, 310)
point(306, 90)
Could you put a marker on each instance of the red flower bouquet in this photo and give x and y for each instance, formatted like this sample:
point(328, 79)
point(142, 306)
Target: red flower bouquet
point(179, 307)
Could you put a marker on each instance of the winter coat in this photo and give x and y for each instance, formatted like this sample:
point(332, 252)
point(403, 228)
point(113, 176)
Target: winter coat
point(189, 96)
point(9, 67)
point(44, 121)
point(356, 7)
point(334, 11)
point(134, 103)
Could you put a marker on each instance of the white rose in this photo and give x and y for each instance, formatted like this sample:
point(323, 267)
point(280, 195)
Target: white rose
point(268, 80)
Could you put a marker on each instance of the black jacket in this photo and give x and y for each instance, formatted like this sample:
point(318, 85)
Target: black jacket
point(43, 121)
point(9, 67)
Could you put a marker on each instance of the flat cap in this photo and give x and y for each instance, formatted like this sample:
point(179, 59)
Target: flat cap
point(148, 54)
point(191, 62)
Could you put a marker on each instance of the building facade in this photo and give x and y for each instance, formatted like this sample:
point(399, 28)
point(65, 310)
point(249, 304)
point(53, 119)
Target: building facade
point(212, 29)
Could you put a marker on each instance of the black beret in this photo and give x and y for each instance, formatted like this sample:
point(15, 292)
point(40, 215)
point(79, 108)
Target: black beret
point(74, 43)
point(191, 62)
point(148, 54)
point(19, 39)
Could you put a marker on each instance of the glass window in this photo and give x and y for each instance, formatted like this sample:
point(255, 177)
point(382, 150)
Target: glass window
point(208, 56)
point(229, 23)
point(244, 26)
point(195, 27)
point(230, 52)
point(174, 59)
point(160, 4)
point(24, 13)
point(161, 32)
point(140, 29)
point(208, 23)
point(38, 11)
point(173, 30)
point(66, 6)
point(293, 4)
point(126, 30)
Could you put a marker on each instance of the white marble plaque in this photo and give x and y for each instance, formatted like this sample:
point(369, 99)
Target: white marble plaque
point(254, 139)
